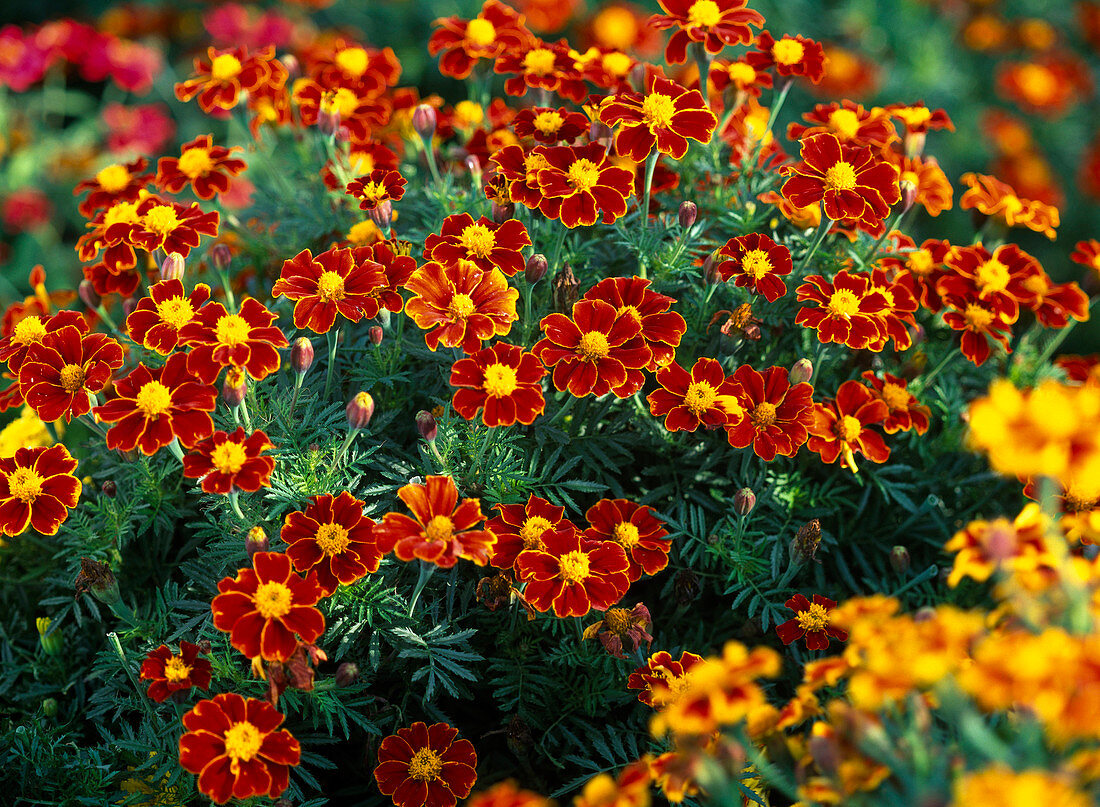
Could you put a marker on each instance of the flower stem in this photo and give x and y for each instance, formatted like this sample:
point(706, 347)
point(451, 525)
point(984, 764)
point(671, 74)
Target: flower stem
point(333, 337)
point(227, 289)
point(650, 167)
point(426, 572)
point(822, 231)
point(117, 645)
point(236, 505)
point(346, 443)
point(429, 153)
point(773, 114)
point(926, 381)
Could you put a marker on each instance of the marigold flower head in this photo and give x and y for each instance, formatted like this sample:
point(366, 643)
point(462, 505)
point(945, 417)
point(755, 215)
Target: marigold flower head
point(169, 226)
point(1000, 784)
point(460, 305)
point(425, 766)
point(852, 123)
point(739, 76)
point(573, 574)
point(206, 168)
point(844, 310)
point(550, 125)
point(994, 198)
point(811, 622)
point(930, 187)
point(1047, 86)
point(984, 547)
point(840, 427)
point(223, 75)
point(1002, 279)
point(495, 30)
point(703, 397)
point(576, 184)
point(630, 788)
point(117, 182)
point(379, 186)
point(171, 672)
point(662, 674)
point(661, 329)
point(715, 23)
point(619, 624)
point(339, 107)
point(904, 411)
point(980, 321)
point(777, 414)
point(665, 118)
point(521, 526)
point(789, 56)
point(64, 368)
point(37, 489)
point(756, 262)
point(506, 794)
point(332, 538)
point(231, 461)
point(248, 340)
point(542, 66)
point(501, 381)
point(485, 243)
point(633, 527)
point(332, 283)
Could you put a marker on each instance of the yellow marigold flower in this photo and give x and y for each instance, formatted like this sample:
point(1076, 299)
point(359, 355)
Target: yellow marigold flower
point(26, 431)
point(1005, 787)
point(983, 547)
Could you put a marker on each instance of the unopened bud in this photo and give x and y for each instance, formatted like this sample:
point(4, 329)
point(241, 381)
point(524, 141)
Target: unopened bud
point(924, 614)
point(686, 587)
point(376, 334)
point(171, 268)
point(129, 305)
point(744, 501)
point(292, 65)
point(109, 488)
point(49, 707)
point(711, 275)
point(908, 194)
point(88, 295)
point(234, 387)
point(473, 165)
point(566, 289)
point(382, 215)
point(424, 120)
point(536, 268)
point(347, 674)
point(301, 355)
point(97, 579)
point(501, 213)
point(425, 424)
point(801, 371)
point(205, 647)
point(221, 256)
point(900, 560)
point(687, 214)
point(52, 643)
point(256, 541)
point(359, 410)
point(328, 121)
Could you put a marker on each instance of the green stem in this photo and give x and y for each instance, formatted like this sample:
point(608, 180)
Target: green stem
point(174, 447)
point(426, 572)
point(926, 381)
point(570, 402)
point(890, 226)
point(822, 231)
point(333, 337)
point(773, 115)
point(113, 638)
point(702, 64)
point(297, 388)
point(1048, 351)
point(346, 443)
point(227, 289)
point(236, 505)
point(244, 413)
point(650, 167)
point(429, 153)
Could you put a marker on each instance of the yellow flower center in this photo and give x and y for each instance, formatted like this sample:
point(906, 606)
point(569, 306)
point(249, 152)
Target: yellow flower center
point(993, 275)
point(330, 287)
point(910, 178)
point(500, 380)
point(72, 378)
point(242, 741)
point(848, 428)
point(196, 162)
point(153, 399)
point(657, 109)
point(225, 67)
point(425, 766)
point(593, 346)
point(977, 318)
point(28, 331)
point(843, 303)
point(539, 61)
point(352, 61)
point(121, 213)
point(332, 538)
point(1037, 82)
point(913, 116)
point(584, 175)
point(273, 600)
point(462, 305)
point(920, 263)
point(364, 232)
point(841, 177)
point(175, 670)
point(531, 532)
point(626, 534)
point(232, 329)
point(741, 74)
point(700, 397)
point(176, 311)
point(25, 484)
point(478, 240)
point(342, 101)
point(756, 264)
point(845, 123)
point(161, 220)
point(480, 32)
point(788, 51)
point(762, 415)
point(229, 457)
point(374, 192)
point(896, 396)
point(548, 122)
point(439, 529)
point(113, 178)
point(617, 64)
point(573, 566)
point(704, 14)
point(814, 619)
point(468, 114)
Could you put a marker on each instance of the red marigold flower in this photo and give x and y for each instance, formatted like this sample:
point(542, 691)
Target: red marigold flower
point(503, 380)
point(37, 489)
point(1087, 253)
point(171, 227)
point(703, 397)
point(158, 318)
point(756, 262)
point(484, 243)
point(905, 412)
point(263, 608)
point(977, 320)
point(897, 317)
point(621, 623)
point(840, 427)
point(550, 125)
point(739, 75)
point(232, 744)
point(850, 182)
point(227, 462)
point(633, 527)
point(380, 185)
point(1055, 303)
point(113, 232)
point(661, 329)
point(397, 265)
point(495, 30)
point(221, 77)
point(777, 415)
point(664, 118)
point(994, 198)
point(597, 351)
point(844, 311)
point(425, 766)
point(59, 372)
point(202, 165)
point(1048, 86)
point(715, 23)
point(517, 179)
point(333, 538)
point(790, 56)
point(660, 674)
point(340, 106)
point(462, 305)
point(577, 183)
point(331, 283)
point(112, 184)
point(520, 527)
point(441, 530)
point(174, 672)
point(30, 330)
point(852, 124)
point(506, 794)
point(154, 407)
point(543, 66)
point(573, 574)
point(920, 270)
point(248, 340)
point(811, 623)
point(919, 119)
point(999, 278)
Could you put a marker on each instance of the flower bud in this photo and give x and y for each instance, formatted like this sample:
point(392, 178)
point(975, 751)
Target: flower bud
point(686, 587)
point(501, 213)
point(347, 674)
point(424, 120)
point(88, 295)
point(221, 256)
point(292, 65)
point(328, 121)
point(49, 707)
point(711, 275)
point(359, 410)
point(473, 165)
point(536, 268)
point(234, 387)
point(376, 335)
point(744, 501)
point(97, 579)
point(382, 215)
point(109, 488)
point(801, 371)
point(804, 545)
point(52, 643)
point(687, 214)
point(425, 424)
point(900, 560)
point(924, 614)
point(256, 541)
point(908, 194)
point(129, 305)
point(301, 355)
point(566, 289)
point(171, 268)
point(205, 646)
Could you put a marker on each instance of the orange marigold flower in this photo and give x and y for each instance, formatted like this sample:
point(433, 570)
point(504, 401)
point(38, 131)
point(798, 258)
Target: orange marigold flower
point(633, 527)
point(506, 794)
point(330, 284)
point(905, 412)
point(1001, 279)
point(1047, 86)
point(442, 529)
point(380, 185)
point(340, 107)
point(265, 607)
point(344, 63)
point(739, 75)
point(994, 198)
point(332, 538)
point(542, 66)
point(398, 266)
point(1080, 512)
point(756, 263)
point(174, 672)
point(113, 232)
point(485, 243)
point(977, 319)
point(661, 675)
point(248, 340)
point(577, 183)
point(715, 23)
point(920, 270)
point(917, 118)
point(621, 623)
point(221, 77)
point(1079, 369)
point(777, 415)
point(425, 766)
point(897, 318)
point(154, 407)
point(850, 182)
point(852, 124)
point(158, 318)
point(460, 305)
point(227, 462)
point(664, 118)
point(233, 746)
point(630, 788)
point(984, 547)
point(504, 381)
point(703, 397)
point(840, 427)
point(61, 371)
point(661, 329)
point(789, 55)
point(844, 311)
point(202, 165)
point(573, 574)
point(811, 622)
point(117, 182)
point(1055, 304)
point(999, 784)
point(37, 489)
point(30, 330)
point(931, 188)
point(549, 125)
point(171, 227)
point(597, 351)
point(520, 526)
point(495, 30)
point(1087, 253)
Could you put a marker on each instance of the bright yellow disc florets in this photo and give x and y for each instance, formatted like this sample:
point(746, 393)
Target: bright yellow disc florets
point(756, 263)
point(462, 305)
point(500, 380)
point(814, 619)
point(848, 428)
point(72, 378)
point(593, 346)
point(113, 178)
point(657, 111)
point(704, 14)
point(480, 32)
point(153, 399)
point(841, 177)
point(539, 61)
point(573, 566)
point(478, 240)
point(626, 534)
point(843, 303)
point(25, 484)
point(196, 162)
point(531, 532)
point(273, 600)
point(788, 51)
point(439, 529)
point(229, 457)
point(242, 741)
point(28, 331)
point(176, 670)
point(232, 329)
point(161, 219)
point(700, 397)
point(330, 287)
point(425, 766)
point(176, 311)
point(332, 539)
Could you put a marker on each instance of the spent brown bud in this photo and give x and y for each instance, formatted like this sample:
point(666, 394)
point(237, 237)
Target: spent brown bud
point(502, 212)
point(425, 424)
point(424, 120)
point(234, 387)
point(256, 541)
point(566, 290)
point(171, 268)
point(221, 256)
point(359, 410)
point(301, 355)
point(97, 579)
point(536, 268)
point(806, 541)
point(376, 334)
point(88, 295)
point(687, 214)
point(347, 674)
point(801, 371)
point(900, 560)
point(686, 587)
point(744, 501)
